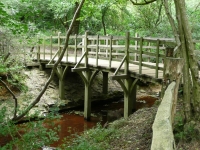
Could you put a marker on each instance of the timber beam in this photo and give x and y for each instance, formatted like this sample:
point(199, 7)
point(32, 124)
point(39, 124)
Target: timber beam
point(117, 77)
point(79, 69)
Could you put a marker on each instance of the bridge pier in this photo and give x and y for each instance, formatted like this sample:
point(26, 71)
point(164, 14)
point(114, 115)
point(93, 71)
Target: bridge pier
point(129, 86)
point(87, 77)
point(105, 82)
point(61, 71)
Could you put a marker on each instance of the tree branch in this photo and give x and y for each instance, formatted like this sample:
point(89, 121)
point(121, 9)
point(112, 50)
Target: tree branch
point(54, 67)
point(142, 3)
point(172, 22)
point(159, 13)
point(14, 97)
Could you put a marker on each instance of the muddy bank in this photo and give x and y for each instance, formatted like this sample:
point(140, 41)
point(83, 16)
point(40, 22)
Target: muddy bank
point(74, 90)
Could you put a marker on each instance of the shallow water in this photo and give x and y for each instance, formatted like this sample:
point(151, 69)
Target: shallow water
point(73, 122)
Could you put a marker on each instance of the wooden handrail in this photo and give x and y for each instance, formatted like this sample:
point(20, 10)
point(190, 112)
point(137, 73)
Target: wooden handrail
point(95, 46)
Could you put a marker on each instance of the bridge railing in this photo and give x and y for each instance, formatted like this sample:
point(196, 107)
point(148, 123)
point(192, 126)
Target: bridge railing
point(144, 52)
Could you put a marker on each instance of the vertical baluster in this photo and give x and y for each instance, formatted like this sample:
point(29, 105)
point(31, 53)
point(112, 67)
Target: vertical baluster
point(86, 50)
point(67, 52)
point(157, 58)
point(126, 63)
point(51, 47)
point(75, 48)
point(44, 48)
point(140, 57)
point(106, 46)
point(110, 57)
point(59, 43)
point(136, 46)
point(97, 49)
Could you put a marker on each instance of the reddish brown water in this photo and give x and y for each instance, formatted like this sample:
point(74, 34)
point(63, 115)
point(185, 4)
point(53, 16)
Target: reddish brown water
point(75, 124)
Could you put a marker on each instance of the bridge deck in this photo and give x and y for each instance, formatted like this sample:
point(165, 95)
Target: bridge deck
point(147, 74)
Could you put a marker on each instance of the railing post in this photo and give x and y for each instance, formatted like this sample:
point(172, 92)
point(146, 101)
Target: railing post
point(97, 50)
point(59, 43)
point(75, 42)
point(136, 46)
point(86, 50)
point(44, 48)
point(126, 63)
point(38, 50)
point(110, 57)
point(51, 47)
point(140, 57)
point(157, 58)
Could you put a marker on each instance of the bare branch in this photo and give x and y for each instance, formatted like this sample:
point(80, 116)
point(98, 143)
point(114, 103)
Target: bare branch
point(14, 97)
point(142, 3)
point(159, 13)
point(172, 22)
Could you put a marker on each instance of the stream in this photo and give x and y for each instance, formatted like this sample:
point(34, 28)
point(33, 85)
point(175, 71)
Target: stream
point(73, 123)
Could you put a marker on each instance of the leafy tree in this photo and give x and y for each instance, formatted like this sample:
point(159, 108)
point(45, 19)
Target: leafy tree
point(183, 36)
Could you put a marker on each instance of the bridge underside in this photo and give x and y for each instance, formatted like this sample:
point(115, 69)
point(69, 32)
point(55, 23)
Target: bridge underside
point(127, 82)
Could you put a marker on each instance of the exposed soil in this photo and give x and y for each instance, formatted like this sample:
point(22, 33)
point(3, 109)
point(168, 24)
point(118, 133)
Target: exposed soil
point(136, 134)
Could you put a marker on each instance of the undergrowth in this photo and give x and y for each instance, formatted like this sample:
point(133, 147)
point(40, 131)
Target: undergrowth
point(97, 138)
point(30, 135)
point(184, 131)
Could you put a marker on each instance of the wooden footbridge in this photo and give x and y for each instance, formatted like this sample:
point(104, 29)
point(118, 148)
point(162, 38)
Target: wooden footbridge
point(127, 59)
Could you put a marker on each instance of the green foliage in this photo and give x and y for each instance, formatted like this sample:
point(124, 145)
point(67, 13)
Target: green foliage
point(182, 131)
point(31, 135)
point(13, 73)
point(94, 139)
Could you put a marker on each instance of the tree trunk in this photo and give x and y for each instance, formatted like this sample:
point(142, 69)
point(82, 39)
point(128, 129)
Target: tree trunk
point(183, 36)
point(191, 58)
point(186, 74)
point(75, 28)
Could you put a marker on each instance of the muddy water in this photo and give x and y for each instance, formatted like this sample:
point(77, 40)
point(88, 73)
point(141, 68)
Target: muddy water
point(74, 123)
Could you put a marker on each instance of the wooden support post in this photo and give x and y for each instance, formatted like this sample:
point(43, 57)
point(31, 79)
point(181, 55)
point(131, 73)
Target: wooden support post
point(41, 66)
point(87, 77)
point(61, 71)
point(129, 96)
point(61, 82)
point(105, 82)
point(87, 96)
